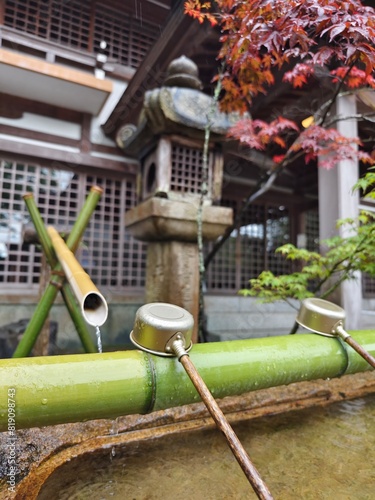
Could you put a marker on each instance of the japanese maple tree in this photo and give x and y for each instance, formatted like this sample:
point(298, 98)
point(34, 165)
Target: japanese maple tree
point(301, 40)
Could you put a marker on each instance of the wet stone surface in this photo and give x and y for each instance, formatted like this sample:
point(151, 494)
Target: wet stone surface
point(41, 451)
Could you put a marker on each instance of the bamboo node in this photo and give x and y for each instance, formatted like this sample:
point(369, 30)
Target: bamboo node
point(57, 284)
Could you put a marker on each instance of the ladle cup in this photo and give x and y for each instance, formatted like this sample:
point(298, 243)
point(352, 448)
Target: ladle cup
point(325, 318)
point(166, 330)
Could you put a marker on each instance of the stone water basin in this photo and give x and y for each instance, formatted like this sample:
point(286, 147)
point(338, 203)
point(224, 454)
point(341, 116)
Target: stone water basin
point(303, 446)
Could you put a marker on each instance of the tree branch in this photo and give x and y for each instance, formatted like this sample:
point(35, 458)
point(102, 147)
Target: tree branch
point(268, 178)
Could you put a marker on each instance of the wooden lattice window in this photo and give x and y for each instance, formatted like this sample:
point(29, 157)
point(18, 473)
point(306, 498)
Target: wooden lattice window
point(128, 38)
point(187, 169)
point(84, 25)
point(18, 264)
point(312, 231)
point(251, 249)
point(112, 257)
point(63, 22)
point(222, 271)
point(277, 226)
point(368, 286)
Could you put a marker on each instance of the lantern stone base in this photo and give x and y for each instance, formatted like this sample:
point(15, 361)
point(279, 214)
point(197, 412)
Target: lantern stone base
point(161, 219)
point(170, 228)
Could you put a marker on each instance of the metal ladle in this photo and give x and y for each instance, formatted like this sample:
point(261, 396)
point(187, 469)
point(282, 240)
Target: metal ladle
point(325, 318)
point(166, 330)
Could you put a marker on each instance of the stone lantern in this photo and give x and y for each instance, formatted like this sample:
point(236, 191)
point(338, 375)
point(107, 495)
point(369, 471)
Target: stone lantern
point(168, 142)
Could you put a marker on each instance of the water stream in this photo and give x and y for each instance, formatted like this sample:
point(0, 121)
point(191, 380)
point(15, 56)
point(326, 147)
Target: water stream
point(98, 339)
point(315, 454)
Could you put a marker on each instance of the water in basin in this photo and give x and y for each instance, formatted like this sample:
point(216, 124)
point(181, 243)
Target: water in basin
point(320, 453)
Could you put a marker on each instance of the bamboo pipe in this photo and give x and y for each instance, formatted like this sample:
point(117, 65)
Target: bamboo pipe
point(42, 310)
point(66, 292)
point(60, 389)
point(93, 305)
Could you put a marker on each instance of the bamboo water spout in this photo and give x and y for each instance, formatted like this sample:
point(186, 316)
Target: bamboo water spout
point(66, 291)
point(42, 310)
point(93, 305)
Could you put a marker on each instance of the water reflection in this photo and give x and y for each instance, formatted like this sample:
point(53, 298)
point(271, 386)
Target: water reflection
point(315, 454)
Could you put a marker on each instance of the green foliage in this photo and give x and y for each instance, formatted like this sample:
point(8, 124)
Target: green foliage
point(366, 184)
point(270, 288)
point(321, 274)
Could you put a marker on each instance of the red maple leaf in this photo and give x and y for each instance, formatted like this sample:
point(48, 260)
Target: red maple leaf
point(258, 134)
point(329, 145)
point(258, 36)
point(299, 75)
point(353, 77)
point(200, 11)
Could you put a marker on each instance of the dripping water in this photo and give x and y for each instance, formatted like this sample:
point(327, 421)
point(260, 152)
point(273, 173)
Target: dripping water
point(99, 339)
point(114, 431)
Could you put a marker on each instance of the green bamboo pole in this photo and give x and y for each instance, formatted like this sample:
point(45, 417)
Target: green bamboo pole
point(42, 310)
point(60, 389)
point(66, 292)
point(40, 229)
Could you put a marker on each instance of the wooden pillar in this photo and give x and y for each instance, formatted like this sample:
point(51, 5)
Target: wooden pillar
point(2, 14)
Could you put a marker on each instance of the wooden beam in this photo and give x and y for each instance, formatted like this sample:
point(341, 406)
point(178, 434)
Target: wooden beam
point(14, 107)
point(69, 160)
point(38, 136)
